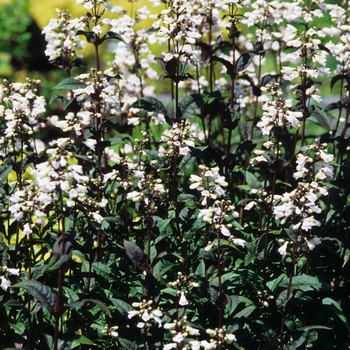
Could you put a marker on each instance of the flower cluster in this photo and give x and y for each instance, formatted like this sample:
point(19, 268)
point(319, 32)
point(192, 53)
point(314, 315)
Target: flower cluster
point(218, 210)
point(62, 39)
point(4, 277)
point(278, 112)
point(21, 109)
point(178, 140)
point(146, 313)
point(182, 334)
point(218, 337)
point(301, 204)
point(59, 183)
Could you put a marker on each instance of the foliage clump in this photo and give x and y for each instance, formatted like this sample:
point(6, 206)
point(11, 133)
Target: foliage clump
point(192, 200)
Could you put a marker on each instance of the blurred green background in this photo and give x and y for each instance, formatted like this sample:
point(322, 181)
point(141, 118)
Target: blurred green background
point(21, 44)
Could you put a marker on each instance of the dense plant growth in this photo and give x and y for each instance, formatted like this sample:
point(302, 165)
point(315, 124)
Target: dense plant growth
point(196, 199)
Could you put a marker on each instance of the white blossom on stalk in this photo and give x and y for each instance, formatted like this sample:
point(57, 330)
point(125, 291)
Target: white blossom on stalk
point(302, 203)
point(62, 41)
point(146, 313)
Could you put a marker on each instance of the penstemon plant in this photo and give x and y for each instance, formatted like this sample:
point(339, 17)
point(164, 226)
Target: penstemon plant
point(187, 187)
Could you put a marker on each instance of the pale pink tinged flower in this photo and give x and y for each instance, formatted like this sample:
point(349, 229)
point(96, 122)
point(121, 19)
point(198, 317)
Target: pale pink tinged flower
point(140, 324)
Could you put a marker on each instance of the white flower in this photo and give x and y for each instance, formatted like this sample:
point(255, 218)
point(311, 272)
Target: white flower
point(250, 205)
point(231, 338)
point(146, 316)
point(27, 229)
point(4, 282)
point(309, 222)
point(178, 338)
point(207, 346)
point(225, 231)
point(183, 301)
point(97, 217)
point(134, 195)
point(132, 313)
point(283, 249)
point(238, 241)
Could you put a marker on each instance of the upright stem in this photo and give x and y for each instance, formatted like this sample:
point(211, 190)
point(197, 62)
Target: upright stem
point(289, 289)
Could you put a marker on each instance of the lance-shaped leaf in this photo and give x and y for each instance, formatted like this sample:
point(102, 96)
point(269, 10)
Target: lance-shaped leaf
point(169, 67)
point(336, 308)
point(244, 61)
point(91, 37)
point(44, 294)
point(340, 77)
point(81, 303)
point(110, 35)
point(229, 66)
point(267, 78)
point(70, 84)
point(135, 254)
point(150, 104)
point(60, 257)
point(188, 101)
point(5, 171)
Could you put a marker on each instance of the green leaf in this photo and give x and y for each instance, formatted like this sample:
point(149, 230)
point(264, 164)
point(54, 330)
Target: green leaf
point(135, 254)
point(275, 283)
point(70, 84)
point(5, 171)
point(81, 340)
point(103, 270)
point(252, 181)
point(232, 303)
point(58, 259)
point(44, 294)
point(320, 117)
point(122, 306)
point(246, 311)
point(117, 139)
point(128, 344)
point(188, 101)
point(336, 308)
point(81, 303)
point(150, 104)
point(305, 283)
